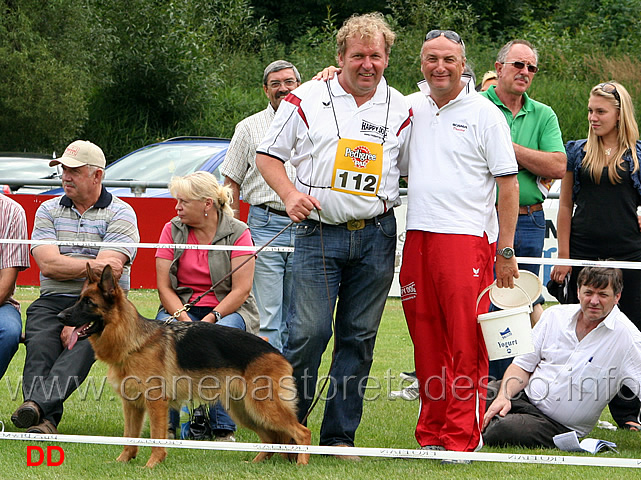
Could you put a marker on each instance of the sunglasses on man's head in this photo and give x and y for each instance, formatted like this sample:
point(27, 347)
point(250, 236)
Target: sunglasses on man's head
point(449, 34)
point(611, 89)
point(521, 65)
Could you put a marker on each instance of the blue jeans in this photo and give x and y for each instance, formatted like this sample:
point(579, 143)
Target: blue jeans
point(528, 242)
point(358, 267)
point(10, 331)
point(219, 419)
point(529, 239)
point(272, 274)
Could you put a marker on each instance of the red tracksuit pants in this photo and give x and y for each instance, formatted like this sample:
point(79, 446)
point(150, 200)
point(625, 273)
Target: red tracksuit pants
point(441, 278)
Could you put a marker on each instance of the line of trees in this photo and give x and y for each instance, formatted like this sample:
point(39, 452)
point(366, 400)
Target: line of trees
point(124, 73)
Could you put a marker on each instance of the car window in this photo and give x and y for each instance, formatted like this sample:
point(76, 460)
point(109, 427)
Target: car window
point(25, 168)
point(161, 162)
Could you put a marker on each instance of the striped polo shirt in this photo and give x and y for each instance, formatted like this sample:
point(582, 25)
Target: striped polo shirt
point(13, 225)
point(109, 220)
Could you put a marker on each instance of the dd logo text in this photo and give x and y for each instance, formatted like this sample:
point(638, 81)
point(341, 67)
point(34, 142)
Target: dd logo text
point(39, 455)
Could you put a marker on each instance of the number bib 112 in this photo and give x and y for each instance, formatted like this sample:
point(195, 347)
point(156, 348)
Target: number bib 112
point(358, 167)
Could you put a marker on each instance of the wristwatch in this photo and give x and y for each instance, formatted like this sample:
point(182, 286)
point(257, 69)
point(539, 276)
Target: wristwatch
point(217, 315)
point(507, 252)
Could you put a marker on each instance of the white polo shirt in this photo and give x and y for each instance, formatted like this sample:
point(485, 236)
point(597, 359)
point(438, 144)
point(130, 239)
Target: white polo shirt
point(573, 381)
point(306, 131)
point(455, 153)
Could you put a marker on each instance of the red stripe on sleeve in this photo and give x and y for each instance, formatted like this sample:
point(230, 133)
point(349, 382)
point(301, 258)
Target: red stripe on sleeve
point(294, 100)
point(406, 122)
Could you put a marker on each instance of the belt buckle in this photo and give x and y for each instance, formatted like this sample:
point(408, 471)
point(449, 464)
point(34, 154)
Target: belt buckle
point(356, 224)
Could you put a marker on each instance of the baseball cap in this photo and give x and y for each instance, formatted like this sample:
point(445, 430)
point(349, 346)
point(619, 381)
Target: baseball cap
point(79, 153)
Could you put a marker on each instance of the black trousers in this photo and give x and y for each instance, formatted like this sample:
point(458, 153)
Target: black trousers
point(524, 425)
point(52, 372)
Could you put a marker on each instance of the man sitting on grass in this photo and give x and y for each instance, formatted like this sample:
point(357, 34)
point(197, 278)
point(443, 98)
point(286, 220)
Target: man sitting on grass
point(582, 354)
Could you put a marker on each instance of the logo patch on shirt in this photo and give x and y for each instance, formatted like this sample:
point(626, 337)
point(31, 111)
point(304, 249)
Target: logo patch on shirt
point(476, 271)
point(360, 155)
point(326, 104)
point(459, 127)
point(373, 130)
point(408, 292)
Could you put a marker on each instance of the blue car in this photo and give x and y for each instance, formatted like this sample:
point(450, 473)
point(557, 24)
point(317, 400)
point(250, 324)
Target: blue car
point(151, 167)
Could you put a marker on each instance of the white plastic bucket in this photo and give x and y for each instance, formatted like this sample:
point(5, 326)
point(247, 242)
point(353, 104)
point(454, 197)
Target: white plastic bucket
point(507, 333)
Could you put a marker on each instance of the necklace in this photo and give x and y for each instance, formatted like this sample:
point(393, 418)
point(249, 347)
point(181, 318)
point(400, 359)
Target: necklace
point(608, 151)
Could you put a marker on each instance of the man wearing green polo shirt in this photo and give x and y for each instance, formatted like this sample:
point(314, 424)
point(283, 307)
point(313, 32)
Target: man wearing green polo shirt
point(539, 150)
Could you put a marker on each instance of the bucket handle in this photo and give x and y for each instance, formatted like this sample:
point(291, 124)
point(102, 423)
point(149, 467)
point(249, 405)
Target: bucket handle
point(487, 289)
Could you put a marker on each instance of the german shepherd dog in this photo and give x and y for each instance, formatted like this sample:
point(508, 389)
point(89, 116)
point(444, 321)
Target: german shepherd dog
point(154, 365)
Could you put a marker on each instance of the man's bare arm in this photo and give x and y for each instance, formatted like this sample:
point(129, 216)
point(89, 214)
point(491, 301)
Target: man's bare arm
point(298, 205)
point(60, 267)
point(235, 192)
point(543, 164)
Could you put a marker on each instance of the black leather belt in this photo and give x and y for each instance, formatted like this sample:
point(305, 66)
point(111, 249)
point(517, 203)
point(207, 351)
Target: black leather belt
point(272, 210)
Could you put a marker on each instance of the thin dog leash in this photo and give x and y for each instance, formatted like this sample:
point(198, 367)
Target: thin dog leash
point(329, 301)
point(187, 306)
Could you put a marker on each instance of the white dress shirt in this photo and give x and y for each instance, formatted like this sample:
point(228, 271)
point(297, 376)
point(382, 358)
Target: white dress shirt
point(572, 381)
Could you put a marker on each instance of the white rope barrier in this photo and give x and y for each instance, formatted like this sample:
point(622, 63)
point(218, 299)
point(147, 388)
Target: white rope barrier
point(527, 260)
point(324, 450)
point(580, 263)
point(181, 246)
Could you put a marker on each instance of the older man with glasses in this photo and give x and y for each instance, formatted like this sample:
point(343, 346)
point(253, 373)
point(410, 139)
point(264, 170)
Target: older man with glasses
point(460, 150)
point(539, 150)
point(267, 216)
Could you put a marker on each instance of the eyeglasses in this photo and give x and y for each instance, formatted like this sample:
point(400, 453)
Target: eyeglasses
point(611, 89)
point(287, 83)
point(521, 65)
point(449, 34)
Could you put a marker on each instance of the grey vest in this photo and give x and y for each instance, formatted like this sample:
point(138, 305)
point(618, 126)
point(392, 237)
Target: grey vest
point(228, 231)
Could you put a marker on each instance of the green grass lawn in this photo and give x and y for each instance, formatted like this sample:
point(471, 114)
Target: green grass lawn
point(95, 410)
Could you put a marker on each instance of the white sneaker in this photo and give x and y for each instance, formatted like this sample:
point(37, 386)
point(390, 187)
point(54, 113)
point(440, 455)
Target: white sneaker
point(410, 393)
point(410, 377)
point(229, 437)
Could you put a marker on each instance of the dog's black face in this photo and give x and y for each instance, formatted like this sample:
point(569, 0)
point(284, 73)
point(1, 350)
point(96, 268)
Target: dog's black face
point(86, 315)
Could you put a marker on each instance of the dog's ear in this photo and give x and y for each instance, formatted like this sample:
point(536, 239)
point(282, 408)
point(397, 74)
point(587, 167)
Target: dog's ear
point(91, 277)
point(107, 282)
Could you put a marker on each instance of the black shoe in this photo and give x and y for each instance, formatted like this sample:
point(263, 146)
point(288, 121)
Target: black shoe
point(44, 428)
point(27, 415)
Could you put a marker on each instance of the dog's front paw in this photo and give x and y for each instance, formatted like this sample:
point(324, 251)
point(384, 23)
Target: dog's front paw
point(127, 454)
point(157, 455)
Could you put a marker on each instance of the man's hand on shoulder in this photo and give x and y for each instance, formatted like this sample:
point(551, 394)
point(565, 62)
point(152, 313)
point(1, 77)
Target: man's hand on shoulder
point(327, 73)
